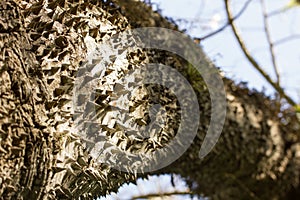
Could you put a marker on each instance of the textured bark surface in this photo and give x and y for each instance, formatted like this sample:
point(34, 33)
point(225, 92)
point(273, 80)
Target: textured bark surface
point(42, 44)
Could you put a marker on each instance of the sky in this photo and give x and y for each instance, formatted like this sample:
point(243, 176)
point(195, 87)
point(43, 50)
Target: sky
point(201, 17)
point(154, 185)
point(207, 16)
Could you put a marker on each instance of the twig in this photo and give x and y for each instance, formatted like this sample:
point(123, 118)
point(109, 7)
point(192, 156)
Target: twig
point(225, 25)
point(148, 196)
point(286, 39)
point(271, 45)
point(252, 60)
point(275, 12)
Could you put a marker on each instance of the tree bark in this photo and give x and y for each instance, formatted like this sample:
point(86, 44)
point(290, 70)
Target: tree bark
point(43, 44)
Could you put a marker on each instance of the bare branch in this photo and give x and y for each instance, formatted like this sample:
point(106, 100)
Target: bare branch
point(225, 25)
point(271, 45)
point(148, 196)
point(252, 60)
point(286, 39)
point(275, 12)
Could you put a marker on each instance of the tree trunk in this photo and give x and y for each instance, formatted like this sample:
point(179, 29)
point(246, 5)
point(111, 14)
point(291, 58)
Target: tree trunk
point(43, 45)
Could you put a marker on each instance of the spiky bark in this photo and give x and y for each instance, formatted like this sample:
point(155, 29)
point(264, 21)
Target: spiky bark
point(42, 45)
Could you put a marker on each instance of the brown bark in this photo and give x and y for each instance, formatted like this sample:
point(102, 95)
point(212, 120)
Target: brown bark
point(257, 156)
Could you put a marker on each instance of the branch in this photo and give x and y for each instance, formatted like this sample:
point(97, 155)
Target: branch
point(275, 12)
point(225, 25)
point(252, 60)
point(287, 39)
point(271, 45)
point(148, 196)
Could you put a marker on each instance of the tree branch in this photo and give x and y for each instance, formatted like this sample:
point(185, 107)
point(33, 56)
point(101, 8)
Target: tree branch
point(225, 25)
point(148, 196)
point(287, 39)
point(252, 60)
point(268, 36)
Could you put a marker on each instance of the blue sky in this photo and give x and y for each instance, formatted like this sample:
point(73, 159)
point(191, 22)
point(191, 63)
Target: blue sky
point(208, 15)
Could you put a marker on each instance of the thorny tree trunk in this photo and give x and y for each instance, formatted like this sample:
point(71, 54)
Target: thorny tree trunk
point(42, 45)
